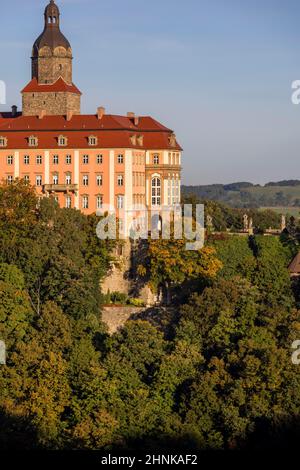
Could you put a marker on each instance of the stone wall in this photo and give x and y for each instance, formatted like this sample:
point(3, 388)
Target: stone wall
point(49, 65)
point(119, 278)
point(53, 103)
point(115, 317)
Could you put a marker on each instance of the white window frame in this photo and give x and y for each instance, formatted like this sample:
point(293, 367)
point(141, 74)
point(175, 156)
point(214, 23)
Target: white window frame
point(99, 180)
point(68, 202)
point(99, 201)
point(39, 180)
point(85, 202)
point(120, 202)
point(156, 186)
point(55, 179)
point(68, 179)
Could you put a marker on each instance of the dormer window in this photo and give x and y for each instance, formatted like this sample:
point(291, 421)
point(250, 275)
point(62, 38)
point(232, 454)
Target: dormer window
point(133, 140)
point(33, 141)
point(62, 141)
point(3, 141)
point(93, 140)
point(140, 140)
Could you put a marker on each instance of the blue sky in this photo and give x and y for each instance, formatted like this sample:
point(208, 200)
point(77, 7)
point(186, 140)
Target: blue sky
point(218, 72)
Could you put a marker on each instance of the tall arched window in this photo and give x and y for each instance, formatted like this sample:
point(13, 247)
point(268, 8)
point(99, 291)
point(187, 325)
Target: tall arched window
point(156, 191)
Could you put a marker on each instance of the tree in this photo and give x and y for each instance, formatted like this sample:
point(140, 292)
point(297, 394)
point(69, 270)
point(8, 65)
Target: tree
point(170, 264)
point(15, 309)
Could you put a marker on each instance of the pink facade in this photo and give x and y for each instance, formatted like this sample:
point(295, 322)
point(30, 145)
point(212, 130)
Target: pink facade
point(84, 161)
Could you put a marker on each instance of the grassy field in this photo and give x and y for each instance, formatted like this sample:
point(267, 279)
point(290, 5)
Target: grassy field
point(292, 191)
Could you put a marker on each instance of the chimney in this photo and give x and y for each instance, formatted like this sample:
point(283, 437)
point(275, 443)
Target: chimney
point(42, 113)
point(100, 112)
point(69, 115)
point(14, 110)
point(136, 121)
point(131, 115)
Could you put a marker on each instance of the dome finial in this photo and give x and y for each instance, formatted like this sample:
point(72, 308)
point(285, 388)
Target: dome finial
point(51, 14)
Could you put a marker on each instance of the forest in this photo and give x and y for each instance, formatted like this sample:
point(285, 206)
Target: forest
point(284, 193)
point(216, 374)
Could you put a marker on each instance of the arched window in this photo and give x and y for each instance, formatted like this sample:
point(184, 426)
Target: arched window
point(156, 191)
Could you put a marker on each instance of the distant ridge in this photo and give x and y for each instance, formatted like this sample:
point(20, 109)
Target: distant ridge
point(285, 193)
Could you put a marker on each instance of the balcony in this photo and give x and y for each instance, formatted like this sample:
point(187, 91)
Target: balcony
point(60, 188)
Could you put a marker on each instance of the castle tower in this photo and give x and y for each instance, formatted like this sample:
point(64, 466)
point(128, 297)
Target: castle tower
point(51, 90)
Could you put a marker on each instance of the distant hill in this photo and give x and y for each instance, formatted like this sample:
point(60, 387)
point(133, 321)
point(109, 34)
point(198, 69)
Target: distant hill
point(247, 195)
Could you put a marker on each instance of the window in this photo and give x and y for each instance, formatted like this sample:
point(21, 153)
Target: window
point(85, 159)
point(68, 159)
point(85, 180)
point(156, 159)
point(120, 159)
point(62, 141)
point(38, 180)
point(55, 159)
point(39, 159)
point(10, 179)
point(26, 159)
point(120, 202)
point(3, 141)
point(55, 179)
point(156, 192)
point(120, 180)
point(68, 179)
point(99, 159)
point(99, 202)
point(10, 160)
point(27, 179)
point(68, 202)
point(33, 141)
point(85, 202)
point(99, 180)
point(93, 140)
point(174, 190)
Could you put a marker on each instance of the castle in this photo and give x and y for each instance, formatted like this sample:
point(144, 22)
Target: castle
point(83, 161)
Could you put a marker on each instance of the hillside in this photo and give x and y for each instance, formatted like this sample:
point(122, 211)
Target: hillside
point(284, 194)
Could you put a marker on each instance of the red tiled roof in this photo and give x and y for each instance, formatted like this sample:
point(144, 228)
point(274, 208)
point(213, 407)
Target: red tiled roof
point(59, 86)
point(112, 131)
